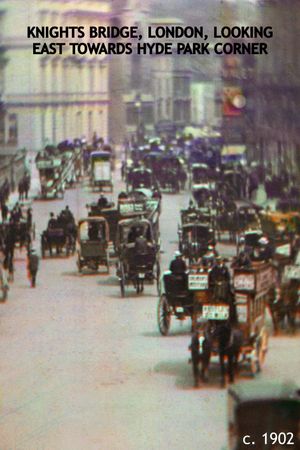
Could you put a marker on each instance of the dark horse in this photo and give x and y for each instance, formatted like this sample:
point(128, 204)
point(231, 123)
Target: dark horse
point(221, 337)
point(283, 307)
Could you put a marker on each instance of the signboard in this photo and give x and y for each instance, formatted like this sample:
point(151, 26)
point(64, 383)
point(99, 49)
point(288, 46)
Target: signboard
point(244, 282)
point(215, 312)
point(241, 298)
point(242, 313)
point(228, 150)
point(131, 207)
point(198, 282)
point(292, 272)
point(284, 250)
point(102, 171)
point(264, 279)
point(209, 186)
point(152, 204)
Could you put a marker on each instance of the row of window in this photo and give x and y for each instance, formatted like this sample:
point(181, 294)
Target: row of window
point(12, 128)
point(67, 77)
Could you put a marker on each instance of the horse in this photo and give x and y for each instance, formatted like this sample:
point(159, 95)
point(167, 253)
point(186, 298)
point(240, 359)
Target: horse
point(283, 306)
point(222, 338)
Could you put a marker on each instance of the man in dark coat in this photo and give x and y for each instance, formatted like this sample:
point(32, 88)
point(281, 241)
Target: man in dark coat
point(32, 266)
point(178, 265)
point(219, 280)
point(141, 245)
point(102, 202)
point(52, 223)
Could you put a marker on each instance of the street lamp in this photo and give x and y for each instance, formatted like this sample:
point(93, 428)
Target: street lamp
point(138, 106)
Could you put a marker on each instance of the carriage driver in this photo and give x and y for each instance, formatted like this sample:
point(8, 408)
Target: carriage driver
point(220, 275)
point(141, 245)
point(52, 223)
point(102, 201)
point(178, 265)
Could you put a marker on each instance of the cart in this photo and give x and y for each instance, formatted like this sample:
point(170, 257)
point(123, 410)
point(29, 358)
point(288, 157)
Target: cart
point(252, 289)
point(268, 416)
point(101, 175)
point(93, 240)
point(136, 267)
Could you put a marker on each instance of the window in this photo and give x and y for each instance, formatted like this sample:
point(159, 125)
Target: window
point(92, 78)
point(12, 128)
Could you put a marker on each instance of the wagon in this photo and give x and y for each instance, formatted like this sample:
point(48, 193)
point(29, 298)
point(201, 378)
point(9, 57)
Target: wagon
point(175, 300)
point(93, 240)
point(194, 240)
point(252, 289)
point(134, 267)
point(268, 415)
point(101, 164)
point(58, 238)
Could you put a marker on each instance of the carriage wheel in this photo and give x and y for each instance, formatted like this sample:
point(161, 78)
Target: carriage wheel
point(163, 315)
point(122, 280)
point(107, 262)
point(158, 276)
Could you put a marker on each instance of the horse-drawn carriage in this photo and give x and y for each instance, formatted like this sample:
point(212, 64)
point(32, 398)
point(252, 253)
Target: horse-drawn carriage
point(141, 177)
point(61, 237)
point(235, 217)
point(201, 174)
point(195, 239)
point(234, 183)
point(252, 289)
point(232, 326)
point(137, 262)
point(285, 306)
point(268, 416)
point(175, 300)
point(171, 173)
point(229, 322)
point(205, 195)
point(101, 169)
point(93, 241)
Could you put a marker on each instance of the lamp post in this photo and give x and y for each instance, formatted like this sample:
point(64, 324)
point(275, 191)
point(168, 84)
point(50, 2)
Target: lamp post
point(139, 130)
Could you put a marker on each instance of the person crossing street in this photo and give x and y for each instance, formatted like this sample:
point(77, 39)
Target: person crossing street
point(32, 266)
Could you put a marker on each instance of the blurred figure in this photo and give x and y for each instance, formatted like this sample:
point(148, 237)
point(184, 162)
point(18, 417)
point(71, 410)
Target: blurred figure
point(178, 265)
point(32, 266)
point(102, 202)
point(52, 223)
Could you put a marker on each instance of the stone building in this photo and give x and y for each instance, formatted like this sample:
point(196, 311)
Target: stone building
point(278, 89)
point(48, 98)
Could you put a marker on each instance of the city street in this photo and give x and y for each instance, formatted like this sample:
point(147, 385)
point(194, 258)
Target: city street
point(83, 368)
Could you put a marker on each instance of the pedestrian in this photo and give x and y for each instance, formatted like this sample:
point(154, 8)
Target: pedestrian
point(32, 266)
point(4, 211)
point(27, 181)
point(21, 189)
point(9, 247)
point(29, 218)
point(123, 169)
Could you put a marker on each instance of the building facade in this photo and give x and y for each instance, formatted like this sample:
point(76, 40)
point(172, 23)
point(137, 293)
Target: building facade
point(278, 90)
point(49, 98)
